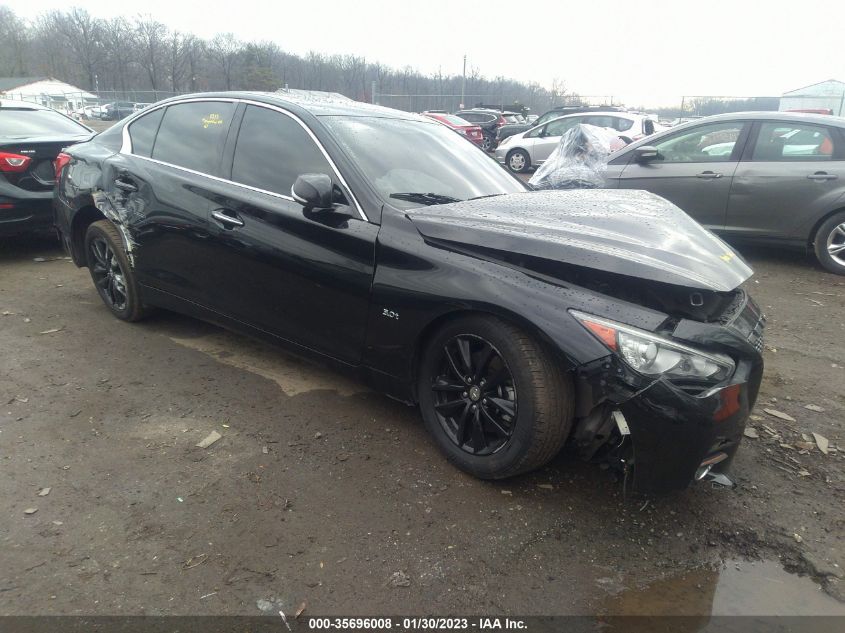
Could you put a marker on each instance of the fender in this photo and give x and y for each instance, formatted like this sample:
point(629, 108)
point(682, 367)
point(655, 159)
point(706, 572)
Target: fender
point(415, 286)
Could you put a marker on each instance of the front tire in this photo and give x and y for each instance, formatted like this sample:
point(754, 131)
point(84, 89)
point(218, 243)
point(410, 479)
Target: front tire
point(111, 271)
point(496, 401)
point(830, 243)
point(518, 161)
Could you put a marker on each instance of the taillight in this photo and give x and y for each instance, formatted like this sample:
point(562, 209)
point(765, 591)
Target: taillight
point(501, 121)
point(14, 162)
point(61, 160)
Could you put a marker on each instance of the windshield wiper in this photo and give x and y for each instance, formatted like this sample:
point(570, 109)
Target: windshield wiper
point(489, 195)
point(425, 198)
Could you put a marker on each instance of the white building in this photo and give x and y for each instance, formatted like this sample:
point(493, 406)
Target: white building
point(827, 95)
point(46, 91)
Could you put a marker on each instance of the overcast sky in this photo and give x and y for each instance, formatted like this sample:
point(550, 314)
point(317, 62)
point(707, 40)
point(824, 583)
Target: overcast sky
point(644, 52)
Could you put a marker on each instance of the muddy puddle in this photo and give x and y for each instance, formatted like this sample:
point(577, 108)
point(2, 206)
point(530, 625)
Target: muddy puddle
point(737, 588)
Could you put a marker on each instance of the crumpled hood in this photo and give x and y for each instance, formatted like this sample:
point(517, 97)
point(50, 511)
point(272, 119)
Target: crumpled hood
point(629, 232)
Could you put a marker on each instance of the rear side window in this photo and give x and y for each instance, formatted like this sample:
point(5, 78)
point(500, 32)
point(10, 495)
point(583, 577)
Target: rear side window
point(192, 135)
point(142, 132)
point(793, 142)
point(272, 150)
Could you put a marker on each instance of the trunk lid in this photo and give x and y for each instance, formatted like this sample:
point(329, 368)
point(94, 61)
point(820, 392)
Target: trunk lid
point(42, 151)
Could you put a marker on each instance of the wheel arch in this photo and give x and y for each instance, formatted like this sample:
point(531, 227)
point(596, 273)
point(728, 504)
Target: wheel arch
point(815, 230)
point(82, 219)
point(438, 322)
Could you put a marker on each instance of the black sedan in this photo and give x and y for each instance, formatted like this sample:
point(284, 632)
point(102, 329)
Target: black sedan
point(381, 242)
point(31, 137)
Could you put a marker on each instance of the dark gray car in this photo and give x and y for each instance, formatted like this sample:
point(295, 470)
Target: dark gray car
point(768, 176)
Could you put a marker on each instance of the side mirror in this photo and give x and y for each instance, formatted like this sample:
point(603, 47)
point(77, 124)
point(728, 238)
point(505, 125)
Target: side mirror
point(645, 153)
point(313, 191)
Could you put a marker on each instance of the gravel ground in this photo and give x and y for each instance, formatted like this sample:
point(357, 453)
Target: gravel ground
point(323, 493)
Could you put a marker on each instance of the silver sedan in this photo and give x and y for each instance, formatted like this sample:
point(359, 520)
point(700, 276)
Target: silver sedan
point(773, 177)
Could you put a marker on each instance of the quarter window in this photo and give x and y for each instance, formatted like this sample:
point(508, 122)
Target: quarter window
point(142, 132)
point(272, 150)
point(702, 144)
point(792, 142)
point(192, 135)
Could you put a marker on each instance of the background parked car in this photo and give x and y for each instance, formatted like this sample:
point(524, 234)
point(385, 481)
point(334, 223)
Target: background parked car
point(31, 137)
point(489, 121)
point(523, 151)
point(117, 110)
point(461, 126)
point(558, 111)
point(770, 176)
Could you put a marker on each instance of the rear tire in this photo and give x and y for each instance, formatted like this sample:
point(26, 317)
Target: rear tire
point(487, 143)
point(512, 409)
point(830, 243)
point(112, 273)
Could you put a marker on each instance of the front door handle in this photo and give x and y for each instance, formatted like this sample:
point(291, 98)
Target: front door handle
point(709, 175)
point(229, 221)
point(822, 176)
point(126, 185)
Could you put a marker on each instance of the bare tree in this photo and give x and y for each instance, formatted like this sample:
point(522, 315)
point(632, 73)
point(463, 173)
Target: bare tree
point(83, 35)
point(225, 50)
point(14, 38)
point(120, 44)
point(152, 36)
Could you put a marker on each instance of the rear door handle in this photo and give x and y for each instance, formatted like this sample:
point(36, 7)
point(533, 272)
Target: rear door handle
point(709, 175)
point(223, 216)
point(822, 175)
point(125, 185)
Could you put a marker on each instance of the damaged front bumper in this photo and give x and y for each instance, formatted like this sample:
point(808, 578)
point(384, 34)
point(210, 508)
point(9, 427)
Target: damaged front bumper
point(675, 435)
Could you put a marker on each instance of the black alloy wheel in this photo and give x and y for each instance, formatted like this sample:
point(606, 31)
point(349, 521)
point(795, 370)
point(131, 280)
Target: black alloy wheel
point(112, 271)
point(496, 400)
point(474, 395)
point(109, 277)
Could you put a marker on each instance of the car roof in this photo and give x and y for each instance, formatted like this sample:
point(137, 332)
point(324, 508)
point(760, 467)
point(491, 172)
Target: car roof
point(769, 115)
point(316, 104)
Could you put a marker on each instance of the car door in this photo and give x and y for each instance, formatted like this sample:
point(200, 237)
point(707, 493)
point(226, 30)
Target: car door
point(302, 275)
point(161, 187)
point(693, 169)
point(546, 139)
point(791, 174)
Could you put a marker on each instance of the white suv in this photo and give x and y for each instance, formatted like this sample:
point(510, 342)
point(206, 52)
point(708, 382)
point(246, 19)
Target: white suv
point(521, 152)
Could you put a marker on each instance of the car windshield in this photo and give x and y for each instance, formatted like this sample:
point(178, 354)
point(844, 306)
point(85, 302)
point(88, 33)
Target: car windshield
point(414, 163)
point(20, 122)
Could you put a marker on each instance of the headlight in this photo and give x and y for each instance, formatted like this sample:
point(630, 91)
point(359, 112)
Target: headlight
point(654, 355)
point(505, 141)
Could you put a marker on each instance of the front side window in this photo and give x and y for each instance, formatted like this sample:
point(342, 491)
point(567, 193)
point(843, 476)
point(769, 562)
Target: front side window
point(792, 142)
point(703, 144)
point(469, 116)
point(192, 135)
point(401, 157)
point(560, 126)
point(142, 132)
point(272, 150)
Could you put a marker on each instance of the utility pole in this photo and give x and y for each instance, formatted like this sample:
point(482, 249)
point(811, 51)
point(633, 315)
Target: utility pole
point(464, 83)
